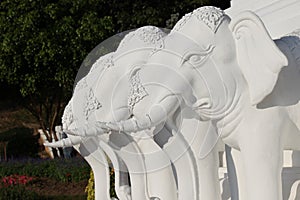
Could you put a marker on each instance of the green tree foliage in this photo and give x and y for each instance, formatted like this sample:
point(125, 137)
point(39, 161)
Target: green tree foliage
point(131, 14)
point(45, 41)
point(43, 45)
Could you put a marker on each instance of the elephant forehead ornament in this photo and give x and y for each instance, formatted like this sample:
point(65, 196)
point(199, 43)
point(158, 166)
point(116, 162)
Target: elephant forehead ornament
point(92, 104)
point(148, 36)
point(210, 15)
point(137, 90)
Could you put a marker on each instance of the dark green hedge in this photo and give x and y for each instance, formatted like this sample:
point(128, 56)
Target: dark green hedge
point(65, 170)
point(18, 193)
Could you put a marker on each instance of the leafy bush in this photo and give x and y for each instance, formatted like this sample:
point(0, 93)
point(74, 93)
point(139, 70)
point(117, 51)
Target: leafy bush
point(90, 188)
point(18, 192)
point(65, 170)
point(13, 188)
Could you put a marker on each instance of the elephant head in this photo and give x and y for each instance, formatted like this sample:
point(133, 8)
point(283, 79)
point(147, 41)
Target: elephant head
point(222, 50)
point(210, 63)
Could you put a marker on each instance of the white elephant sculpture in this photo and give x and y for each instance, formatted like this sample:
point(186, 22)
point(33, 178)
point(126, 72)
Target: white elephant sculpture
point(230, 72)
point(109, 91)
point(91, 101)
point(101, 82)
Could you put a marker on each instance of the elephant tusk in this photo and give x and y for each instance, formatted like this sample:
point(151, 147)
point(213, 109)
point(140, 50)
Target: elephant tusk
point(115, 126)
point(92, 129)
point(67, 142)
point(159, 113)
point(131, 125)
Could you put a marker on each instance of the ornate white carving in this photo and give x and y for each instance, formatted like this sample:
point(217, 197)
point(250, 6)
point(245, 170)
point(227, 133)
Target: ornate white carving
point(92, 104)
point(182, 21)
point(137, 90)
point(81, 84)
point(210, 15)
point(103, 62)
point(126, 40)
point(150, 35)
point(67, 117)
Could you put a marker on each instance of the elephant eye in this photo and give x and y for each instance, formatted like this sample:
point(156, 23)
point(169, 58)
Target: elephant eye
point(196, 58)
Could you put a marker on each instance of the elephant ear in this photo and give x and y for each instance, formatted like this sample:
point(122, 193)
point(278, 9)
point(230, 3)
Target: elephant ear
point(258, 57)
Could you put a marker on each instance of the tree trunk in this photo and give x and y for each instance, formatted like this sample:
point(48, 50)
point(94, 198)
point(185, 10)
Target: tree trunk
point(5, 152)
point(47, 111)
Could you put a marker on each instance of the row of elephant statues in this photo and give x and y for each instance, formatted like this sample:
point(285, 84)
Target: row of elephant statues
point(156, 107)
